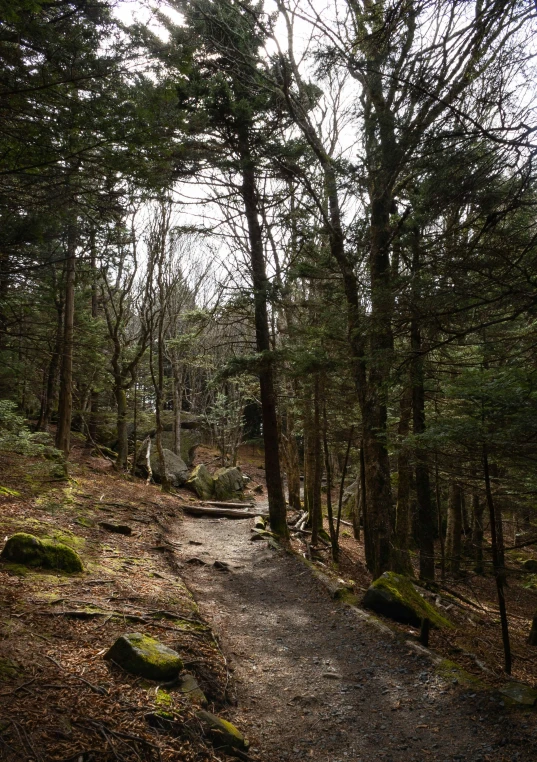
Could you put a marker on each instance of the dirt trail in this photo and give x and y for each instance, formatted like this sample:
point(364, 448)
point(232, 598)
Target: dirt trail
point(315, 683)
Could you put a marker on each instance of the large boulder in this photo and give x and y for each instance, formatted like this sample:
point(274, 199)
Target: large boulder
point(28, 550)
point(349, 502)
point(145, 657)
point(201, 482)
point(176, 469)
point(394, 596)
point(228, 484)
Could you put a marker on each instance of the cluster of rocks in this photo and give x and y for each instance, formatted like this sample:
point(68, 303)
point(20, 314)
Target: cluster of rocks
point(224, 484)
point(146, 657)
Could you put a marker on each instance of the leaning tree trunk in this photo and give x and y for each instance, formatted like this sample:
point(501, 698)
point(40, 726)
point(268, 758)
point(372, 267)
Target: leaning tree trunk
point(275, 494)
point(65, 403)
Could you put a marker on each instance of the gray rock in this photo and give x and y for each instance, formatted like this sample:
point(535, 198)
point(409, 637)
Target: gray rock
point(201, 482)
point(176, 469)
point(145, 657)
point(190, 688)
point(228, 484)
point(520, 693)
point(350, 499)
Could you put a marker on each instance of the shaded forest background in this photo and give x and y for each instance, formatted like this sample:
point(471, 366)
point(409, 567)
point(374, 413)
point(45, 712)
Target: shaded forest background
point(312, 229)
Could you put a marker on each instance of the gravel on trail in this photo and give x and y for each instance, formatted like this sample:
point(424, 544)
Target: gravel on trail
point(315, 682)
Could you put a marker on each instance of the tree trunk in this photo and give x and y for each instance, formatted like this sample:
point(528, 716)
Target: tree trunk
point(122, 436)
point(52, 375)
point(316, 512)
point(94, 394)
point(65, 403)
point(477, 532)
point(276, 498)
point(498, 564)
point(292, 462)
point(401, 556)
point(177, 405)
point(331, 524)
point(454, 529)
point(309, 457)
point(426, 523)
point(342, 487)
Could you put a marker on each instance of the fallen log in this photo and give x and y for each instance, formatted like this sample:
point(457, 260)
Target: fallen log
point(221, 513)
point(222, 504)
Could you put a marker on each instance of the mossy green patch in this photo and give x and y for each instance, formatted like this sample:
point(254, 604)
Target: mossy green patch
point(452, 671)
point(84, 521)
point(8, 669)
point(18, 570)
point(6, 492)
point(163, 699)
point(394, 596)
point(345, 595)
point(32, 551)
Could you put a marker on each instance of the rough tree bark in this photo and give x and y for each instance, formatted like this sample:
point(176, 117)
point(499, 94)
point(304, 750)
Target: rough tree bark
point(275, 494)
point(65, 403)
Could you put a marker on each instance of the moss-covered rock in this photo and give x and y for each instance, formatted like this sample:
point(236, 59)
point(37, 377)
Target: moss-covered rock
point(201, 482)
point(190, 689)
point(394, 596)
point(26, 549)
point(228, 484)
point(519, 693)
point(145, 657)
point(223, 731)
point(457, 675)
point(8, 669)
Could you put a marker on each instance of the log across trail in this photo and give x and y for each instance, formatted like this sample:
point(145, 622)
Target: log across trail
point(314, 682)
point(229, 513)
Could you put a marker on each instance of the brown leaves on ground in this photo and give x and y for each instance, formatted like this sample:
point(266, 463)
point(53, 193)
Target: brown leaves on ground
point(60, 700)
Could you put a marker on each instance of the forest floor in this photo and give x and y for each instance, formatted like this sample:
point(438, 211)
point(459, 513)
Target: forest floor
point(304, 677)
